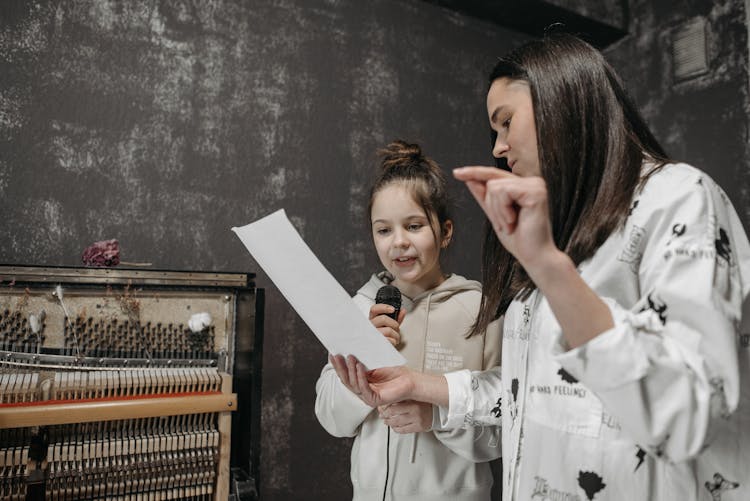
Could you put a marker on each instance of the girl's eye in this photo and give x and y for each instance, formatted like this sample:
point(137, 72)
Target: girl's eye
point(382, 231)
point(414, 227)
point(506, 123)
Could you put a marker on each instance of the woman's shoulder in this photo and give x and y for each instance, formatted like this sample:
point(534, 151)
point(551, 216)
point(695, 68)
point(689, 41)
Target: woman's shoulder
point(671, 176)
point(674, 184)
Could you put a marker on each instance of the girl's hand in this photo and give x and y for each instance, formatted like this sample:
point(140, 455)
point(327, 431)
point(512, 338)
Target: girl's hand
point(387, 326)
point(389, 384)
point(407, 417)
point(517, 209)
point(346, 369)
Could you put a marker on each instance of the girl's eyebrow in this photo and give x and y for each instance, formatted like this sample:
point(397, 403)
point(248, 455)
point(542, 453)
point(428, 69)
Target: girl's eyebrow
point(411, 216)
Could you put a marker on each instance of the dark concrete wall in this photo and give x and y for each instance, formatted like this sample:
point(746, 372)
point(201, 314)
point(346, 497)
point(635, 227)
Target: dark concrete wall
point(702, 120)
point(165, 123)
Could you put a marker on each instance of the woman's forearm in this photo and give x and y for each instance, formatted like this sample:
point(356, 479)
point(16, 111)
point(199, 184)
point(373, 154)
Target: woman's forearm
point(581, 313)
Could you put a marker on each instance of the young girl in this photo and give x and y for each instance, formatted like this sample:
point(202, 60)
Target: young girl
point(621, 277)
point(410, 226)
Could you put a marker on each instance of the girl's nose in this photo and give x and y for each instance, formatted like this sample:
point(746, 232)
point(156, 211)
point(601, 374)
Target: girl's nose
point(400, 239)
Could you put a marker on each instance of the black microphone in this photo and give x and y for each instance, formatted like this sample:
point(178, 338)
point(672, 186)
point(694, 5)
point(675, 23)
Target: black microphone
point(389, 294)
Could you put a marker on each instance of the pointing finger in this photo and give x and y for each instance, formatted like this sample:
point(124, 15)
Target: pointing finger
point(480, 173)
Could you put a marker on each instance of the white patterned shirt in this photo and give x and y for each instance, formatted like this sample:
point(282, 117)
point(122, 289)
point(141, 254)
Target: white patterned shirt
point(656, 408)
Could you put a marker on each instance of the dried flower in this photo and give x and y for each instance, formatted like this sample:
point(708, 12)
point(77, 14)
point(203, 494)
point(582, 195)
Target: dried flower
point(102, 254)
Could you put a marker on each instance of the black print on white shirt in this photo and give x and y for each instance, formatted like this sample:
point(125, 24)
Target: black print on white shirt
point(565, 376)
point(526, 314)
point(659, 307)
point(719, 485)
point(641, 455)
point(498, 410)
point(723, 249)
point(632, 207)
point(658, 450)
point(632, 252)
point(678, 229)
point(591, 483)
point(513, 407)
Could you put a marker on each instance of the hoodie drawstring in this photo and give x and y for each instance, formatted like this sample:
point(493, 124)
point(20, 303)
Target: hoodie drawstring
point(413, 454)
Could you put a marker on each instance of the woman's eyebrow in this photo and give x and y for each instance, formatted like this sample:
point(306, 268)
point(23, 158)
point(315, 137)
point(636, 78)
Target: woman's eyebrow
point(496, 112)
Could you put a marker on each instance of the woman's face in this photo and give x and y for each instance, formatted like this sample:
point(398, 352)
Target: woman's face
point(511, 115)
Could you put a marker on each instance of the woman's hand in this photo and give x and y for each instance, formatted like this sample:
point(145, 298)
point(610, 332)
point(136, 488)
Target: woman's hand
point(387, 326)
point(390, 384)
point(407, 417)
point(517, 209)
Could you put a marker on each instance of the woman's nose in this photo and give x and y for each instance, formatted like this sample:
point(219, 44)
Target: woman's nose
point(500, 147)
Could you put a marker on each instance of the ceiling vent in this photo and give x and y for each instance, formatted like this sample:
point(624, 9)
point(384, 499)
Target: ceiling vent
point(689, 57)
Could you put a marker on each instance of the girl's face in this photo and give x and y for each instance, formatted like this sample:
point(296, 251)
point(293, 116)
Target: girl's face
point(404, 240)
point(511, 114)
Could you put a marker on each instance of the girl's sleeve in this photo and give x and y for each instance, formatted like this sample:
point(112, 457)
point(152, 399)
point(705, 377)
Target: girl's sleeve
point(668, 370)
point(338, 410)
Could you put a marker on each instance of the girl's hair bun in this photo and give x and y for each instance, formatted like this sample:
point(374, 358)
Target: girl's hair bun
point(399, 153)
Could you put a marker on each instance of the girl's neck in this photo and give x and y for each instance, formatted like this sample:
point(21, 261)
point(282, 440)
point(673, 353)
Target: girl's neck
point(414, 289)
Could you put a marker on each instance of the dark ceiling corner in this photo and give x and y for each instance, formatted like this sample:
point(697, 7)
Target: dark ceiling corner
point(535, 17)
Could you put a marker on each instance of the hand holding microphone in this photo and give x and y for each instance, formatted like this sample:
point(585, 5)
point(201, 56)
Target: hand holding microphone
point(386, 314)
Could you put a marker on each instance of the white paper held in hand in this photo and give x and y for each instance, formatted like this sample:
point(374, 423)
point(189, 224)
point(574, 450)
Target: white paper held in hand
point(314, 293)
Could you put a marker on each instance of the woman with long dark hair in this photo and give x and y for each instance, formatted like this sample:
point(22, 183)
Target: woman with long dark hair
point(620, 276)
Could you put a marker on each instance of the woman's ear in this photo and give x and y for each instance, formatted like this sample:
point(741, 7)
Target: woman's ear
point(447, 233)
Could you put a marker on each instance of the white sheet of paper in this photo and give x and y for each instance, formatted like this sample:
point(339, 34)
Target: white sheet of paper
point(314, 293)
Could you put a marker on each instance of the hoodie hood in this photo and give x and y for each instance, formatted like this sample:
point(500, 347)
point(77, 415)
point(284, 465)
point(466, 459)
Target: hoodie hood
point(451, 286)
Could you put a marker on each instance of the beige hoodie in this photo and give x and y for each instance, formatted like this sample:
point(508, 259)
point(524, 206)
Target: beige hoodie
point(434, 465)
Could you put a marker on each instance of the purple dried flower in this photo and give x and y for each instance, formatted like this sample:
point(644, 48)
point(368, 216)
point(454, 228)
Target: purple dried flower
point(102, 254)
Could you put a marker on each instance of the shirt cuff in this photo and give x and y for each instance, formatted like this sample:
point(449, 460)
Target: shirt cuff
point(459, 400)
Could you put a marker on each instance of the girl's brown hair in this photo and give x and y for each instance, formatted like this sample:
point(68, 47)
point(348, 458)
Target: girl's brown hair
point(404, 163)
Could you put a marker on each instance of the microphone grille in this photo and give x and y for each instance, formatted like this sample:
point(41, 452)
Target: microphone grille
point(389, 294)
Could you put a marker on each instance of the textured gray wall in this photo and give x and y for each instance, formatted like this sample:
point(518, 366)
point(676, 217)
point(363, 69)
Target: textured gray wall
point(704, 120)
point(163, 124)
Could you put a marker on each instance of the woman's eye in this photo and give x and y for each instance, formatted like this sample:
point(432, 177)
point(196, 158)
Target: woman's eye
point(506, 123)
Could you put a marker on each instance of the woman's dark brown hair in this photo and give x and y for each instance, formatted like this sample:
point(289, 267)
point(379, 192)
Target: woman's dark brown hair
point(592, 142)
point(404, 163)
